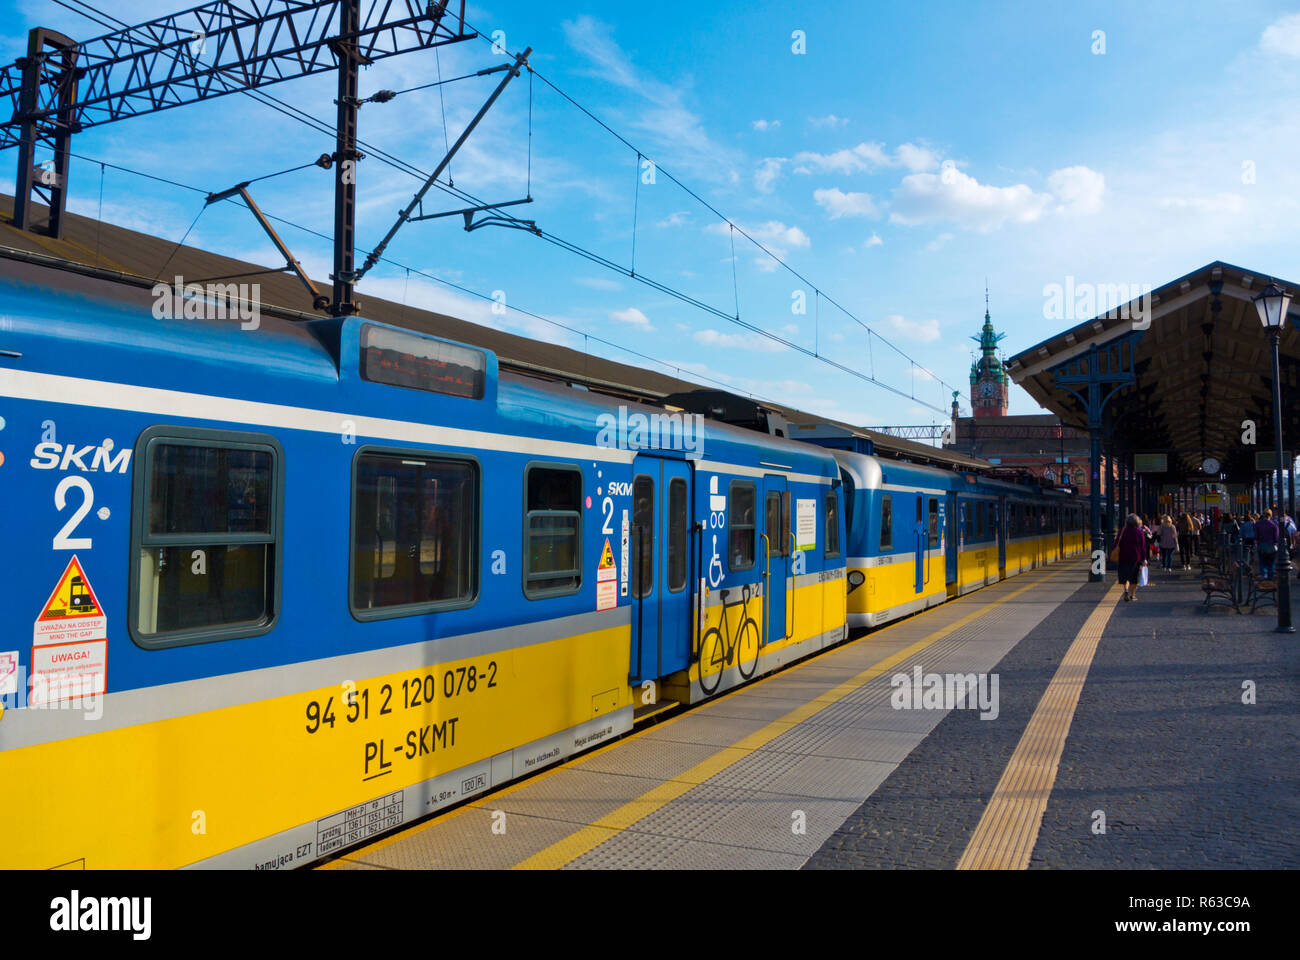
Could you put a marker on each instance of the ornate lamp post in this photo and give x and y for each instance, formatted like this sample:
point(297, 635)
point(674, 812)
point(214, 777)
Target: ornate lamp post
point(1272, 304)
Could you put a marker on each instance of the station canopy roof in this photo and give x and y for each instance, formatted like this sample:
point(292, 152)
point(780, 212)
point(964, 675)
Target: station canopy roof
point(1202, 367)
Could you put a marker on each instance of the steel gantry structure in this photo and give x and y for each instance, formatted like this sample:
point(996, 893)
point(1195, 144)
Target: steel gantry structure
point(62, 87)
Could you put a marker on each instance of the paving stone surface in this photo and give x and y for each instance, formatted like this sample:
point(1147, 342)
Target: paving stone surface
point(1186, 774)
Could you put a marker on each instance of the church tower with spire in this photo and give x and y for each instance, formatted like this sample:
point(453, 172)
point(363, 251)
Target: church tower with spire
point(990, 387)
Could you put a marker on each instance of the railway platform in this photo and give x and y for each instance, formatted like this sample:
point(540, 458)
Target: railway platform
point(1094, 733)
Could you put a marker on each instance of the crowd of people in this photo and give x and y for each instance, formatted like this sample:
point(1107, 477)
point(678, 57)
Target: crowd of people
point(1252, 538)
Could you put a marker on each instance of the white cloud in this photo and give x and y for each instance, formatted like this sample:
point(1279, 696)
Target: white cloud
point(773, 231)
point(952, 195)
point(873, 241)
point(599, 283)
point(959, 197)
point(860, 159)
point(917, 159)
point(763, 125)
point(1079, 189)
point(737, 341)
point(778, 232)
point(830, 120)
point(840, 204)
point(767, 173)
point(926, 331)
point(939, 242)
point(1282, 36)
point(675, 219)
point(632, 316)
point(867, 157)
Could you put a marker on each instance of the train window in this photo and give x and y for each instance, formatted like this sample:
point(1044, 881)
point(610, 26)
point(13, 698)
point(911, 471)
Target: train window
point(414, 533)
point(982, 520)
point(934, 522)
point(643, 522)
point(206, 536)
point(740, 526)
point(402, 358)
point(968, 519)
point(850, 499)
point(677, 524)
point(552, 531)
point(772, 523)
point(832, 524)
point(886, 523)
point(787, 531)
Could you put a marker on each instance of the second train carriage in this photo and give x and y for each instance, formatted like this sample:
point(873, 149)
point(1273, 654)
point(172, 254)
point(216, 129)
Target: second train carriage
point(919, 535)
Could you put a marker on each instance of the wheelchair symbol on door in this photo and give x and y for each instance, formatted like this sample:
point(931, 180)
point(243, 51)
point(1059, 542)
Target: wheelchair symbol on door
point(715, 564)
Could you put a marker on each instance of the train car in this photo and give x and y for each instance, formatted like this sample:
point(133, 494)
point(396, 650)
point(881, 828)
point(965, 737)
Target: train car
point(898, 536)
point(291, 585)
point(919, 535)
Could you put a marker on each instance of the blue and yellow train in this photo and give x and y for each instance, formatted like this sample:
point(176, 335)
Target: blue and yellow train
point(290, 587)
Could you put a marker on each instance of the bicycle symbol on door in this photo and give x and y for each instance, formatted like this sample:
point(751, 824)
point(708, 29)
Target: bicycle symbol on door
point(718, 650)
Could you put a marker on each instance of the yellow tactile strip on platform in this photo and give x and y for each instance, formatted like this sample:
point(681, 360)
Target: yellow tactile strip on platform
point(1005, 836)
point(570, 848)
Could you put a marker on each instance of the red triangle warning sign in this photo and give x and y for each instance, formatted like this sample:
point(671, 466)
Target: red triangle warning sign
point(72, 612)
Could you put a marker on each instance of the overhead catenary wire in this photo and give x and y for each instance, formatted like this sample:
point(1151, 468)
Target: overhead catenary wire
point(468, 291)
point(707, 205)
point(570, 246)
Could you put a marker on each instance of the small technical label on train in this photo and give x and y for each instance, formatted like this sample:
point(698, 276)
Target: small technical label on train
point(805, 527)
point(358, 823)
point(606, 580)
point(72, 614)
point(8, 672)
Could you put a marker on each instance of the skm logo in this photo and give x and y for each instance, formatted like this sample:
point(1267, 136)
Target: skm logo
point(620, 488)
point(59, 456)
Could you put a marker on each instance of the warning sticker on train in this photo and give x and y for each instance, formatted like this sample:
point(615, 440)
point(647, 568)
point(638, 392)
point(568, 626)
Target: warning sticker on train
point(68, 671)
point(8, 672)
point(72, 614)
point(606, 580)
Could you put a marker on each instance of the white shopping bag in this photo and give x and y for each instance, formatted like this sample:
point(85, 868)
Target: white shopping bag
point(1143, 576)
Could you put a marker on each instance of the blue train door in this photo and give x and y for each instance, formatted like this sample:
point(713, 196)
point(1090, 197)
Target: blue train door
point(1000, 524)
point(952, 540)
point(660, 556)
point(918, 541)
point(776, 569)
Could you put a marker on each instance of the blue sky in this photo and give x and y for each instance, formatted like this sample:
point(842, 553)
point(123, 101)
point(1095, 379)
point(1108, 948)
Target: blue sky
point(910, 152)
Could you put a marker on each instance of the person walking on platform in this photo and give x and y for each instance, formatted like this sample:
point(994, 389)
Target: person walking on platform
point(1168, 541)
point(1266, 537)
point(1185, 540)
point(1196, 534)
point(1132, 547)
point(1248, 538)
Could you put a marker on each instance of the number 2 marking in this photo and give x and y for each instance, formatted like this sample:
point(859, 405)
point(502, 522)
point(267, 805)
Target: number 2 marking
point(607, 508)
point(62, 541)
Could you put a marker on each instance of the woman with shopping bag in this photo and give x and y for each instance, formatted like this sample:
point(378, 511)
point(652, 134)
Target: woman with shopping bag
point(1131, 548)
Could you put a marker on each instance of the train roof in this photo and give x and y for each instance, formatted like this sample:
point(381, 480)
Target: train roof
point(88, 328)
